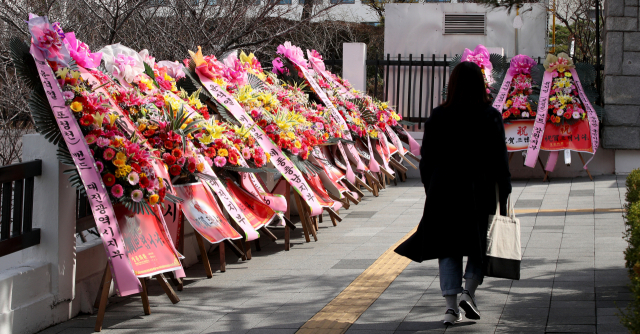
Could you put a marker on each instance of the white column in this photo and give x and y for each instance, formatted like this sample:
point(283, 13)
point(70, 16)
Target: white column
point(54, 213)
point(354, 67)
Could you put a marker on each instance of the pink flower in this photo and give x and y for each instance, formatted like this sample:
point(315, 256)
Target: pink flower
point(100, 166)
point(174, 69)
point(117, 191)
point(133, 178)
point(90, 139)
point(271, 128)
point(109, 154)
point(68, 95)
point(136, 195)
point(479, 56)
point(209, 161)
point(521, 64)
point(293, 53)
point(181, 161)
point(246, 153)
point(316, 60)
point(49, 38)
point(80, 52)
point(103, 142)
point(220, 161)
point(278, 67)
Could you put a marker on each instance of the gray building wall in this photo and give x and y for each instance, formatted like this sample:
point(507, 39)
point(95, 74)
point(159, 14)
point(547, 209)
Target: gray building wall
point(621, 75)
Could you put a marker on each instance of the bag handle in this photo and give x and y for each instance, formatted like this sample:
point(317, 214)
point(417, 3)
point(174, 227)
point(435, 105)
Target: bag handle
point(510, 210)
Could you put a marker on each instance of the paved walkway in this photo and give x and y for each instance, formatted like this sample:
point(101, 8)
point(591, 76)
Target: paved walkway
point(573, 276)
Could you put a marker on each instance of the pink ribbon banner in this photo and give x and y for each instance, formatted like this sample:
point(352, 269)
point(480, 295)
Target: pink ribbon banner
point(281, 162)
point(125, 280)
point(395, 140)
point(541, 119)
point(373, 164)
point(503, 93)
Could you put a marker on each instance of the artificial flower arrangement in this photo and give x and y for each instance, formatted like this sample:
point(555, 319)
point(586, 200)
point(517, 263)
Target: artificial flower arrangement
point(565, 106)
point(481, 57)
point(124, 164)
point(519, 104)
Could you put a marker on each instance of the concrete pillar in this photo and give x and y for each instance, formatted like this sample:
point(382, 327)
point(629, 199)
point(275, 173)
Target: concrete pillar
point(354, 67)
point(54, 213)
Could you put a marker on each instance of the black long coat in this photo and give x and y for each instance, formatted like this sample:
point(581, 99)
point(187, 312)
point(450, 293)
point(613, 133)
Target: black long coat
point(463, 156)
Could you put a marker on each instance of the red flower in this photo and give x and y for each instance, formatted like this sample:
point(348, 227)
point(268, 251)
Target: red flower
point(567, 115)
point(191, 167)
point(144, 182)
point(533, 114)
point(136, 167)
point(168, 144)
point(258, 161)
point(108, 179)
point(262, 123)
point(205, 114)
point(170, 160)
point(149, 133)
point(175, 170)
point(86, 120)
point(162, 193)
point(177, 153)
point(233, 159)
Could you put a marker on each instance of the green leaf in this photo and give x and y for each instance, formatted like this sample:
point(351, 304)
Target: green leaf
point(24, 63)
point(45, 122)
point(149, 71)
point(255, 82)
point(64, 155)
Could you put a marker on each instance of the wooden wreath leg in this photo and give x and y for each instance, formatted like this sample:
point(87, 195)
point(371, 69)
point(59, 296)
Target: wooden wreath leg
point(546, 173)
point(351, 198)
point(412, 156)
point(223, 256)
point(410, 163)
point(314, 222)
point(386, 173)
point(307, 215)
point(287, 217)
point(144, 295)
point(334, 215)
point(582, 159)
point(96, 304)
point(320, 219)
point(167, 288)
point(204, 256)
point(247, 245)
point(240, 245)
point(351, 186)
point(395, 179)
point(302, 217)
point(178, 282)
point(104, 298)
point(257, 244)
point(268, 233)
point(366, 186)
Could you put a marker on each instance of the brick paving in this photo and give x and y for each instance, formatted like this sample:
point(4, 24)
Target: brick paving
point(573, 276)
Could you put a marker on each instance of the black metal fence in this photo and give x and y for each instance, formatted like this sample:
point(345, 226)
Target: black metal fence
point(16, 232)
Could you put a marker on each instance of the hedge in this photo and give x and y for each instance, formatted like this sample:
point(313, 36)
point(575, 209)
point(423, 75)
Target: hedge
point(631, 318)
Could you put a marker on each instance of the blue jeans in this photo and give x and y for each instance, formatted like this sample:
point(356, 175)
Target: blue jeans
point(451, 274)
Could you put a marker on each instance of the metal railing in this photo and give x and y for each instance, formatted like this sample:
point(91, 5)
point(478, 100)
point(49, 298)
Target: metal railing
point(16, 232)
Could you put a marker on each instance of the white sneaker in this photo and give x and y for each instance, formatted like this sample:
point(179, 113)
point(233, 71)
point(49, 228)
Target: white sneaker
point(468, 304)
point(451, 317)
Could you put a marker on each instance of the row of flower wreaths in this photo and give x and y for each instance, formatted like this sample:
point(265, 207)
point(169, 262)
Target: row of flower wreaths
point(137, 129)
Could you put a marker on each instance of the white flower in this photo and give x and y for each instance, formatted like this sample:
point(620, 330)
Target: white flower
point(560, 112)
point(576, 115)
point(525, 114)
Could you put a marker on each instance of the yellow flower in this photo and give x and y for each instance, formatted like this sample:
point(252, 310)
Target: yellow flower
point(268, 156)
point(75, 74)
point(197, 57)
point(395, 116)
point(142, 127)
point(121, 172)
point(127, 169)
point(112, 118)
point(223, 152)
point(384, 105)
point(118, 163)
point(153, 199)
point(62, 72)
point(143, 175)
point(121, 156)
point(98, 119)
point(291, 135)
point(76, 106)
point(297, 144)
point(206, 139)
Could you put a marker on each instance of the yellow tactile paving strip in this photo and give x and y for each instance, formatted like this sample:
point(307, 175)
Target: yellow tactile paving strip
point(568, 210)
point(337, 316)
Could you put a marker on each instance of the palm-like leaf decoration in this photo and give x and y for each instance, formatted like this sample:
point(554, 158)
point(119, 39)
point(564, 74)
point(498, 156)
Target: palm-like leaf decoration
point(178, 122)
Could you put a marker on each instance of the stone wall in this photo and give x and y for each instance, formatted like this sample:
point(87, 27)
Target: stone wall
point(621, 75)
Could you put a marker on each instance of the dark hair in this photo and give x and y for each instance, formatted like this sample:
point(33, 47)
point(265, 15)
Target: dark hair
point(466, 87)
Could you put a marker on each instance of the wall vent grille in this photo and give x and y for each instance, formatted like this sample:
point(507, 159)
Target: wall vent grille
point(464, 24)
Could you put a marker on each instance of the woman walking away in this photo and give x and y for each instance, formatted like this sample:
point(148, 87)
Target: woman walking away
point(464, 156)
